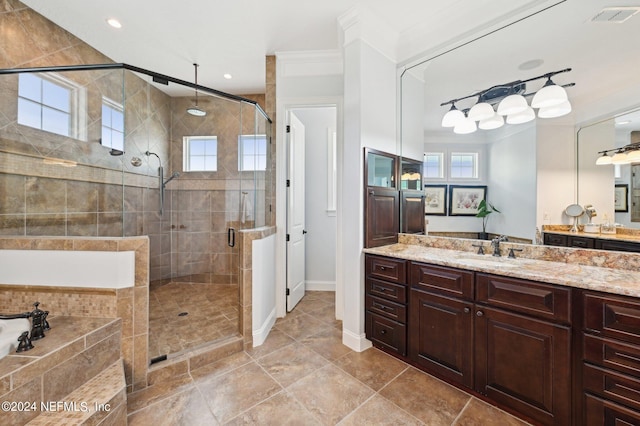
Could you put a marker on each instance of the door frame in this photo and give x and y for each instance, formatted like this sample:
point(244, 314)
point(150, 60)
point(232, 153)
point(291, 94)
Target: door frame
point(282, 108)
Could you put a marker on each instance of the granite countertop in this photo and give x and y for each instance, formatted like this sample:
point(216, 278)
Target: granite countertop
point(618, 236)
point(616, 281)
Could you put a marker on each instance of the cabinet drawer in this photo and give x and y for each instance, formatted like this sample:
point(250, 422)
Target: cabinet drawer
point(555, 240)
point(612, 316)
point(600, 412)
point(581, 242)
point(386, 308)
point(442, 280)
point(385, 333)
point(386, 268)
point(614, 386)
point(394, 292)
point(532, 298)
point(612, 354)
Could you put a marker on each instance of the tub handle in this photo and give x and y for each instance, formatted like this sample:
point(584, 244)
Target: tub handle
point(231, 237)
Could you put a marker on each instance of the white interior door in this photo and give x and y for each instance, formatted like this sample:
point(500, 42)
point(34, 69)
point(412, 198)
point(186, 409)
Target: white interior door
point(295, 213)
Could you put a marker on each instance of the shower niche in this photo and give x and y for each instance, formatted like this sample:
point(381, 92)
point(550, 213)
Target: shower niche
point(110, 150)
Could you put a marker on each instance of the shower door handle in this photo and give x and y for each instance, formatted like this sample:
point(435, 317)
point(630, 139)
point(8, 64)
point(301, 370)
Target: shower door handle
point(231, 237)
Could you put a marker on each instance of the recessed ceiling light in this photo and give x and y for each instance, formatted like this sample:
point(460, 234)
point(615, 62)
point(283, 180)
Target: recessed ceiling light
point(228, 76)
point(114, 23)
point(529, 65)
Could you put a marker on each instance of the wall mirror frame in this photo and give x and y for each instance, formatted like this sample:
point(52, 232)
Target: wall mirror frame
point(533, 170)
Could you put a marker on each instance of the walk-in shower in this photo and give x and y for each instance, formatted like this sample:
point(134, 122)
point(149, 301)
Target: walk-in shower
point(59, 177)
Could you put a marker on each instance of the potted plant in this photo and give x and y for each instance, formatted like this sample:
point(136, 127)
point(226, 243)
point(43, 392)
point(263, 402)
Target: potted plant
point(485, 208)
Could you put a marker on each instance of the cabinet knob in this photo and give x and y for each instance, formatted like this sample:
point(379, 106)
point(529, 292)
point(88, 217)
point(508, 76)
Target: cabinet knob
point(479, 313)
point(382, 268)
point(467, 310)
point(383, 331)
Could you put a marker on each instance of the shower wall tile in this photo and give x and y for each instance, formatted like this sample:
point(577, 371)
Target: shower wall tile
point(45, 195)
point(82, 196)
point(110, 225)
point(12, 224)
point(46, 224)
point(12, 194)
point(82, 224)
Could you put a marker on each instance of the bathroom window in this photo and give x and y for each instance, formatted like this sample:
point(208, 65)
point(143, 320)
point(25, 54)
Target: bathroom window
point(252, 152)
point(464, 165)
point(200, 154)
point(112, 125)
point(433, 165)
point(47, 103)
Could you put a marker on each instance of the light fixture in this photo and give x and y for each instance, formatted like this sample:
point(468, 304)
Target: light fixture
point(113, 22)
point(491, 123)
point(465, 126)
point(555, 111)
point(627, 154)
point(512, 104)
point(195, 110)
point(509, 100)
point(452, 117)
point(603, 160)
point(227, 76)
point(481, 111)
point(550, 95)
point(620, 157)
point(528, 114)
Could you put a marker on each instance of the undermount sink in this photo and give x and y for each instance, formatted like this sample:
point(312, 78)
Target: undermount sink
point(489, 262)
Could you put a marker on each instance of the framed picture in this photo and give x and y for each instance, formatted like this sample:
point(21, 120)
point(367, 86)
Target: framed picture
point(464, 200)
point(621, 197)
point(435, 200)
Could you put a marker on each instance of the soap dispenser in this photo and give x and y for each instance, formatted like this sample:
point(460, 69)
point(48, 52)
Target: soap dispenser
point(607, 226)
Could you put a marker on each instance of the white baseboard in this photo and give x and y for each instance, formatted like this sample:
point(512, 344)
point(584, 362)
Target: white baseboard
point(356, 342)
point(320, 285)
point(260, 335)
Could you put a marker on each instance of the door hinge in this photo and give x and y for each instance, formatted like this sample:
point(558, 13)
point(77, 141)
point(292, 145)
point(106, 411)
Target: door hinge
point(288, 183)
point(288, 237)
point(288, 292)
point(288, 129)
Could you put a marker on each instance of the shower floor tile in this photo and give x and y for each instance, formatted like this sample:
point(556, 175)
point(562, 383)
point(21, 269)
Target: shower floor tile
point(211, 313)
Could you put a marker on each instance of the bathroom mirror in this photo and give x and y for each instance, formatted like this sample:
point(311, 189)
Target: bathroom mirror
point(596, 183)
point(531, 169)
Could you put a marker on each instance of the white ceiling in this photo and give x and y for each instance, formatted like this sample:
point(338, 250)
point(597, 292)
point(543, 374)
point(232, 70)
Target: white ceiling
point(235, 36)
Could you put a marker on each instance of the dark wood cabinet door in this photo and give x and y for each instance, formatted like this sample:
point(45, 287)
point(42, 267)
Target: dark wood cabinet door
point(604, 244)
point(382, 219)
point(412, 212)
point(441, 336)
point(555, 240)
point(581, 242)
point(524, 364)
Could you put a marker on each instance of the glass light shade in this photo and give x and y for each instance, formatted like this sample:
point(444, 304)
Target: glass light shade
point(481, 111)
point(555, 111)
point(521, 117)
point(549, 95)
point(633, 156)
point(491, 123)
point(512, 104)
point(619, 158)
point(604, 160)
point(465, 126)
point(452, 117)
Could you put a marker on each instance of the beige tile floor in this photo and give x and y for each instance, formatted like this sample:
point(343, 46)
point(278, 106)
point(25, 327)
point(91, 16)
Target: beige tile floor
point(212, 314)
point(303, 375)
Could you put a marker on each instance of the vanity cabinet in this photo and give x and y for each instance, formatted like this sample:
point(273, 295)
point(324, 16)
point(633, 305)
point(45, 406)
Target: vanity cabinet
point(505, 338)
point(523, 346)
point(441, 321)
point(580, 241)
point(386, 303)
point(610, 370)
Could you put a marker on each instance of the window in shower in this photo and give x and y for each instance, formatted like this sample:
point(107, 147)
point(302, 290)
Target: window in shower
point(48, 103)
point(252, 152)
point(200, 153)
point(112, 125)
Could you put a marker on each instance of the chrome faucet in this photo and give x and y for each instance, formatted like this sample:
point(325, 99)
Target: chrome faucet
point(495, 243)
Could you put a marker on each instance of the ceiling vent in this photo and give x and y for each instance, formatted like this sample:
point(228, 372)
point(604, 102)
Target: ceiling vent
point(615, 15)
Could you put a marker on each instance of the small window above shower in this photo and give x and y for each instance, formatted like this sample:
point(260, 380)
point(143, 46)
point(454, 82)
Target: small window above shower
point(252, 152)
point(200, 153)
point(112, 125)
